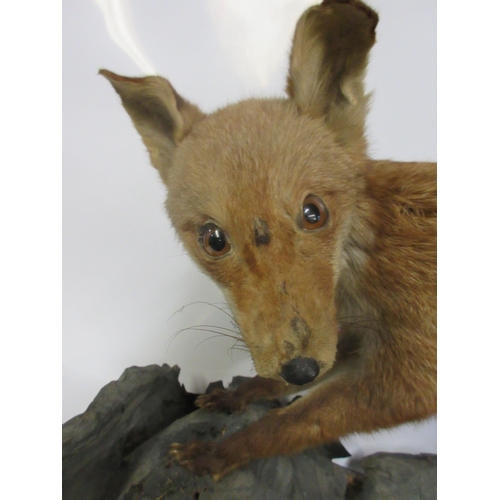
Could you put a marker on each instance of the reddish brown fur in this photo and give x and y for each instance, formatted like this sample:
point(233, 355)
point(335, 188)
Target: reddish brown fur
point(357, 295)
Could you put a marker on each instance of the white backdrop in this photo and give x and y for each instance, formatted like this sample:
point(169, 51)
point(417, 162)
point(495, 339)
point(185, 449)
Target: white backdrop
point(128, 288)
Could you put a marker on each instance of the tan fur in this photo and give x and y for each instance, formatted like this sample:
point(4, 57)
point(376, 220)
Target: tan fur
point(357, 295)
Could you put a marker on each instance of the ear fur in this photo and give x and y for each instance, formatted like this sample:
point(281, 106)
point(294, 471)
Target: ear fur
point(160, 115)
point(328, 63)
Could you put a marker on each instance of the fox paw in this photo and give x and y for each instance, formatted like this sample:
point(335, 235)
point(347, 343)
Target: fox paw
point(220, 400)
point(201, 458)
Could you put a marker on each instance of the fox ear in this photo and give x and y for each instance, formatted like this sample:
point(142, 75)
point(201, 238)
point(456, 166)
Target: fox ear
point(328, 63)
point(160, 115)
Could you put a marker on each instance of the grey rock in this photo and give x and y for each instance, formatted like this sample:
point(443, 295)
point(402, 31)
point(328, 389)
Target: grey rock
point(118, 450)
point(124, 414)
point(397, 476)
point(307, 475)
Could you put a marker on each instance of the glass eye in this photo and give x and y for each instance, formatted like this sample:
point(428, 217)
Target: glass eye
point(314, 213)
point(214, 240)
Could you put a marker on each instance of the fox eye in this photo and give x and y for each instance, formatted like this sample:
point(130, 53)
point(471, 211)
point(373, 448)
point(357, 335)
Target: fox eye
point(314, 213)
point(214, 240)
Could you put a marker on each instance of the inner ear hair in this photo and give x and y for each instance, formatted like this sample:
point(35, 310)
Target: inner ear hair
point(328, 62)
point(161, 116)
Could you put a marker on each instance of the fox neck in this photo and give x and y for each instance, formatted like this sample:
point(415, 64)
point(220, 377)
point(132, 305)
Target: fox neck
point(387, 253)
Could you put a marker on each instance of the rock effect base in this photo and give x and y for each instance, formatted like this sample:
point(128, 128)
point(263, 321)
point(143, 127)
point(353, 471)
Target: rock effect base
point(118, 450)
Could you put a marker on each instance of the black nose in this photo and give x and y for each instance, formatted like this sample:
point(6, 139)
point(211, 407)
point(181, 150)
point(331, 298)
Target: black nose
point(300, 371)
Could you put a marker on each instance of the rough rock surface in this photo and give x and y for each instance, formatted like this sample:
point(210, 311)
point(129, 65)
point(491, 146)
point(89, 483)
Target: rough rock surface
point(396, 476)
point(124, 414)
point(118, 450)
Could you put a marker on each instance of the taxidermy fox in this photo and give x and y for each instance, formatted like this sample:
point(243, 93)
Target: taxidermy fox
point(326, 257)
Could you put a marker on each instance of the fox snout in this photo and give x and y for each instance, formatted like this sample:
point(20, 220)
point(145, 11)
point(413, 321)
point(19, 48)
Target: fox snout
point(300, 371)
point(297, 351)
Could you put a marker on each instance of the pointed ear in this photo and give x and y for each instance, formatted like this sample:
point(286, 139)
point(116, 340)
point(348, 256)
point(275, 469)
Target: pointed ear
point(328, 63)
point(160, 115)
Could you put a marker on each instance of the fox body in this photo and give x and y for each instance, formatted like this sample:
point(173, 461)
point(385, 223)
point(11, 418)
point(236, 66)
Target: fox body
point(326, 257)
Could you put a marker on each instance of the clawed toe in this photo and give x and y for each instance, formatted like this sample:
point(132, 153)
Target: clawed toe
point(219, 400)
point(200, 458)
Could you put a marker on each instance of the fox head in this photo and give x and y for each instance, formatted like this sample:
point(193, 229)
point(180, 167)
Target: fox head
point(263, 193)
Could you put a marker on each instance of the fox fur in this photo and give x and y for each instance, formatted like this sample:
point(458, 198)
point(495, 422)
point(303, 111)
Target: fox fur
point(345, 304)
